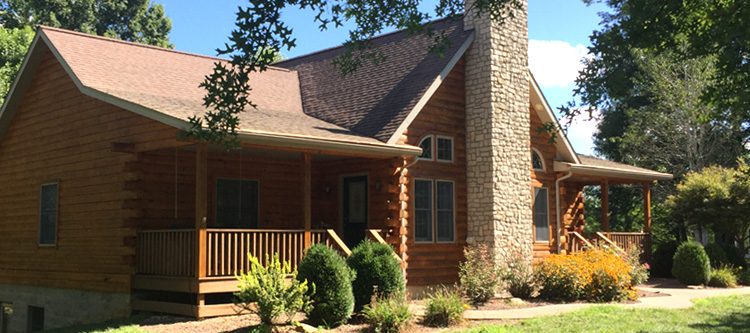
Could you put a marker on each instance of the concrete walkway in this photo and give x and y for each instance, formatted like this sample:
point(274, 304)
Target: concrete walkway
point(679, 298)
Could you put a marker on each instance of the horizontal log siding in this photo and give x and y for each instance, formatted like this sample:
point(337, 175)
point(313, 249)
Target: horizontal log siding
point(548, 151)
point(444, 114)
point(60, 135)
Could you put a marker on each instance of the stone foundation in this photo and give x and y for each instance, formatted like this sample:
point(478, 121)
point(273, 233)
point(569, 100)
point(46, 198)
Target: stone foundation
point(498, 144)
point(62, 307)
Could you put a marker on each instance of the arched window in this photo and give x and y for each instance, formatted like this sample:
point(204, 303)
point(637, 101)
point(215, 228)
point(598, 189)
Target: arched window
point(426, 145)
point(537, 163)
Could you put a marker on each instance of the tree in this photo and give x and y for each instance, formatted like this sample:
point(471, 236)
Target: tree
point(717, 198)
point(260, 27)
point(133, 20)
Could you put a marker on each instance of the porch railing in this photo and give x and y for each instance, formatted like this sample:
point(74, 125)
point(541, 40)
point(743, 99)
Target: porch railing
point(172, 252)
point(166, 252)
point(620, 241)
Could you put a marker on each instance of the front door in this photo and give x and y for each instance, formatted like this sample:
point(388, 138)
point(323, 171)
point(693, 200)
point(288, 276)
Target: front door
point(354, 209)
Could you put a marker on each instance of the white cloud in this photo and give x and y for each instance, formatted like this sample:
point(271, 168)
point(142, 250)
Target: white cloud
point(581, 132)
point(555, 63)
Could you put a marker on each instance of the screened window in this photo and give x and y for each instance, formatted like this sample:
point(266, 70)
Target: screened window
point(426, 145)
point(541, 211)
point(236, 203)
point(423, 211)
point(48, 214)
point(536, 161)
point(445, 149)
point(434, 211)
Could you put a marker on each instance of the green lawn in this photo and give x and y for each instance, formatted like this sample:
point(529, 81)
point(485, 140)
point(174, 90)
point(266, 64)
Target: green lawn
point(716, 314)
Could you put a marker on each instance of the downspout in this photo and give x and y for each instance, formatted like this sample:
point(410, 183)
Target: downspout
point(557, 204)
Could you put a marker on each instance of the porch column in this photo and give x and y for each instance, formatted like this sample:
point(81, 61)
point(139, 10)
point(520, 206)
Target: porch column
point(307, 194)
point(647, 208)
point(605, 205)
point(201, 208)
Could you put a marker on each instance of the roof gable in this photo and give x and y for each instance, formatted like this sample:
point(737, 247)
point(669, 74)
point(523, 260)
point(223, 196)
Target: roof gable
point(564, 148)
point(377, 100)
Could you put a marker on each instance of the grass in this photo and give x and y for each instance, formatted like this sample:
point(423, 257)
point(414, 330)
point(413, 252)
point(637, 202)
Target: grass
point(715, 314)
point(127, 325)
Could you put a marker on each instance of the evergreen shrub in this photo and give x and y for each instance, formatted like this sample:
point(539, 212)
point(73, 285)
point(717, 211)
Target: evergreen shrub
point(691, 264)
point(374, 265)
point(333, 299)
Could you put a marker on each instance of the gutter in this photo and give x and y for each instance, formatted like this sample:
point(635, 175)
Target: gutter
point(557, 203)
point(590, 170)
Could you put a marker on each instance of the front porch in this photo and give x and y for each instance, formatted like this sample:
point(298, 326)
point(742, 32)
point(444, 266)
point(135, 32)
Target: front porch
point(202, 211)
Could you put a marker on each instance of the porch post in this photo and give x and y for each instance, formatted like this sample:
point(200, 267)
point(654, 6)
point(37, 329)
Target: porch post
point(647, 208)
point(307, 193)
point(201, 208)
point(605, 205)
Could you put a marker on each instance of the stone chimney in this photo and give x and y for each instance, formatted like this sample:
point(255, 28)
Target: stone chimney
point(498, 146)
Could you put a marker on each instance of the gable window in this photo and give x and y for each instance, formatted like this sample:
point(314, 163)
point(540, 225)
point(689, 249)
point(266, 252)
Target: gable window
point(48, 214)
point(541, 213)
point(426, 145)
point(236, 203)
point(444, 149)
point(434, 211)
point(537, 163)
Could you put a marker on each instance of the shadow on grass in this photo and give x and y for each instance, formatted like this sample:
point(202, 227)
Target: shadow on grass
point(118, 325)
point(729, 322)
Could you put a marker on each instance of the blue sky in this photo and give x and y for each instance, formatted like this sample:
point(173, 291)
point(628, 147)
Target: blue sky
point(558, 36)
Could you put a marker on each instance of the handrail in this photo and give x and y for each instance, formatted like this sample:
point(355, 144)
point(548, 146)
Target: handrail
point(574, 247)
point(338, 242)
point(583, 239)
point(610, 242)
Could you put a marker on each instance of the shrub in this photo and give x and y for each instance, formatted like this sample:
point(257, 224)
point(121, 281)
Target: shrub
point(517, 276)
point(477, 273)
point(716, 255)
point(593, 275)
point(389, 314)
point(333, 299)
point(691, 264)
point(723, 277)
point(735, 255)
point(266, 286)
point(444, 307)
point(374, 265)
point(743, 276)
point(662, 257)
point(639, 273)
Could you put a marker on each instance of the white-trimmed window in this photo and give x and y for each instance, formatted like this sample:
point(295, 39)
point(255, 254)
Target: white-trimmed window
point(48, 198)
point(434, 211)
point(426, 145)
point(541, 214)
point(537, 162)
point(237, 203)
point(444, 149)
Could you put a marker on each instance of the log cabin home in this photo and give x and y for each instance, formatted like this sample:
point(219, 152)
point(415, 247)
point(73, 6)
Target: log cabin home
point(104, 210)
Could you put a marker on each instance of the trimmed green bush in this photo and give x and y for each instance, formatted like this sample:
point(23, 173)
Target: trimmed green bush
point(735, 257)
point(691, 264)
point(743, 276)
point(723, 278)
point(444, 307)
point(374, 265)
point(716, 255)
point(333, 299)
point(661, 259)
point(390, 314)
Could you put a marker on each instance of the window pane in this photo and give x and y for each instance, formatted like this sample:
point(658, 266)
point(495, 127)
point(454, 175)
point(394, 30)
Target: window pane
point(444, 149)
point(536, 161)
point(423, 210)
point(445, 214)
point(48, 215)
point(236, 203)
point(541, 221)
point(426, 146)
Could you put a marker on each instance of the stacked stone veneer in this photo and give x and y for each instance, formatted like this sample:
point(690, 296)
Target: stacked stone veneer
point(497, 138)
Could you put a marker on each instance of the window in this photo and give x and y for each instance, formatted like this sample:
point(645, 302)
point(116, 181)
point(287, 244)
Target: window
point(48, 214)
point(444, 149)
point(434, 211)
point(35, 319)
point(426, 145)
point(537, 163)
point(236, 203)
point(541, 212)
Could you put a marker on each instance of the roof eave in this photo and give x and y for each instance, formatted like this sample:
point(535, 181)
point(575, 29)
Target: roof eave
point(597, 171)
point(21, 83)
point(539, 103)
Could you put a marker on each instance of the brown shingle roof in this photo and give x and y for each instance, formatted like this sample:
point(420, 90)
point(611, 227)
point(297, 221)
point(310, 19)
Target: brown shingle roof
point(167, 81)
point(590, 161)
point(375, 100)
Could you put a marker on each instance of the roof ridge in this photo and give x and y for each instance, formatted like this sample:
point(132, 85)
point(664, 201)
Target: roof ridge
point(148, 46)
point(370, 39)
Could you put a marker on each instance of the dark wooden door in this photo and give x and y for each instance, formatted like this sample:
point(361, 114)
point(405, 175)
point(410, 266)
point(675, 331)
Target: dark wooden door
point(354, 210)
